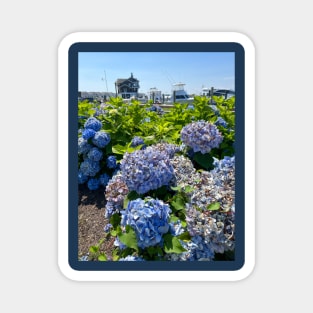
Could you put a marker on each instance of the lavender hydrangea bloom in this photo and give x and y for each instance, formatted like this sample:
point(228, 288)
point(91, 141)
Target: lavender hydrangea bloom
point(93, 183)
point(136, 141)
point(145, 170)
point(101, 139)
point(116, 190)
point(201, 136)
point(93, 123)
point(115, 193)
point(149, 219)
point(95, 154)
point(168, 148)
point(88, 133)
point(89, 167)
point(111, 162)
point(83, 146)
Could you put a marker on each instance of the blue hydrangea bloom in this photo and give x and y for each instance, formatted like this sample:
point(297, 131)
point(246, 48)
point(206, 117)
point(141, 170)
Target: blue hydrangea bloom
point(95, 154)
point(107, 227)
point(101, 139)
point(81, 177)
point(131, 258)
point(93, 183)
point(201, 136)
point(145, 170)
point(89, 168)
point(88, 133)
point(137, 141)
point(215, 109)
point(226, 163)
point(111, 162)
point(104, 179)
point(83, 146)
point(148, 218)
point(110, 209)
point(221, 122)
point(93, 123)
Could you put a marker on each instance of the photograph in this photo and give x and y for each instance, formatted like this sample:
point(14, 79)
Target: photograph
point(156, 172)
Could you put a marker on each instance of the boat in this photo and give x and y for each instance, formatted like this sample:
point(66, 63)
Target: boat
point(225, 93)
point(179, 95)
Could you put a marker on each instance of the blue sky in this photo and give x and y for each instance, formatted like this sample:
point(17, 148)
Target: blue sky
point(98, 71)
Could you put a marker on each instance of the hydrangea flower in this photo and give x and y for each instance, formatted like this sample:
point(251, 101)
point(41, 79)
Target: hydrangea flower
point(148, 218)
point(93, 123)
point(145, 170)
point(131, 258)
point(115, 193)
point(88, 133)
point(221, 122)
point(215, 229)
point(101, 139)
point(201, 136)
point(93, 183)
point(137, 141)
point(111, 161)
point(89, 167)
point(81, 177)
point(116, 190)
point(104, 179)
point(226, 164)
point(107, 227)
point(198, 249)
point(83, 146)
point(168, 148)
point(95, 154)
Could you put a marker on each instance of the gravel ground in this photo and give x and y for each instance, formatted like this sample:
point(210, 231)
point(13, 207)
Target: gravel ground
point(91, 221)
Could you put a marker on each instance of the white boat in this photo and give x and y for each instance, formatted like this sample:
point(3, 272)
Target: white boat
point(179, 95)
point(225, 93)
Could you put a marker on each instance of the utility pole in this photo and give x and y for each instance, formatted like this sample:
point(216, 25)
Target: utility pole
point(105, 78)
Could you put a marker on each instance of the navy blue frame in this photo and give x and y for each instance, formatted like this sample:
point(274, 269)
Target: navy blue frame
point(73, 52)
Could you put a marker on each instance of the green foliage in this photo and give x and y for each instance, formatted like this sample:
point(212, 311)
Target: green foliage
point(128, 237)
point(214, 206)
point(123, 121)
point(95, 254)
point(204, 160)
point(172, 244)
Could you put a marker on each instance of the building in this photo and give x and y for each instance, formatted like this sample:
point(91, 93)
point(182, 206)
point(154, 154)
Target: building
point(127, 87)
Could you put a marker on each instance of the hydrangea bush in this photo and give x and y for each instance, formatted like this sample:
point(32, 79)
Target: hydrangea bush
point(95, 165)
point(158, 205)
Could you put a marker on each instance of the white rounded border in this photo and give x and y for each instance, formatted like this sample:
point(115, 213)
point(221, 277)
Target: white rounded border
point(249, 257)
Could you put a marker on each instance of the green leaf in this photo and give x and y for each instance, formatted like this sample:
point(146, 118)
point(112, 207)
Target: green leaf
point(119, 149)
point(129, 238)
point(178, 188)
point(204, 160)
point(189, 189)
point(93, 249)
point(133, 195)
point(102, 257)
point(178, 202)
point(172, 244)
point(214, 206)
point(115, 220)
point(184, 236)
